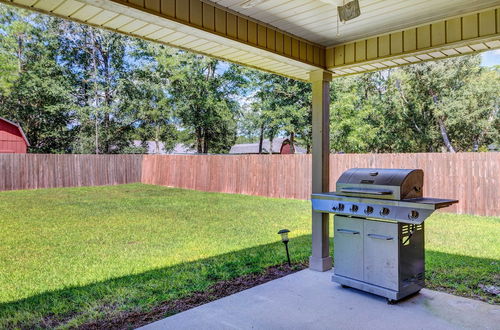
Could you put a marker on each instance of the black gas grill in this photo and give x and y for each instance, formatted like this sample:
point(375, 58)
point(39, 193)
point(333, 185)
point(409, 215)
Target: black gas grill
point(379, 230)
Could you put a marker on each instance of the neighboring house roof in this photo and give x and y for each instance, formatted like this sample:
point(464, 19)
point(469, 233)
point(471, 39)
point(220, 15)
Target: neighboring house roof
point(151, 148)
point(253, 148)
point(19, 128)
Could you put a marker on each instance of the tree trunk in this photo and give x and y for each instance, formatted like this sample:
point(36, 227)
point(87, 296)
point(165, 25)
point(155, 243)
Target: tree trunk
point(199, 141)
point(20, 53)
point(96, 134)
point(261, 138)
point(157, 147)
point(444, 134)
point(96, 100)
point(205, 145)
point(157, 139)
point(107, 100)
point(442, 127)
point(292, 143)
point(475, 145)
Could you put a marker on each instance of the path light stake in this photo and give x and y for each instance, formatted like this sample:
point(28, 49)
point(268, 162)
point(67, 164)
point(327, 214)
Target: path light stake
point(284, 239)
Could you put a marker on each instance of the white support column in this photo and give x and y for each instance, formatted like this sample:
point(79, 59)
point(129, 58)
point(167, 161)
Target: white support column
point(320, 259)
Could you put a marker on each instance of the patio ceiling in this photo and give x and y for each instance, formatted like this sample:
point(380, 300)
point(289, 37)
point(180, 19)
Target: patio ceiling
point(316, 20)
point(296, 37)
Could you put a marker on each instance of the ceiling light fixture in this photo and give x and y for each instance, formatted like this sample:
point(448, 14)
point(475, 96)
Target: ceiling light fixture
point(349, 10)
point(346, 12)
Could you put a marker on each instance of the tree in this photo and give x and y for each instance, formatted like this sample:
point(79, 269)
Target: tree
point(353, 120)
point(202, 96)
point(147, 99)
point(98, 59)
point(9, 62)
point(74, 88)
point(281, 106)
point(445, 105)
point(39, 94)
point(457, 99)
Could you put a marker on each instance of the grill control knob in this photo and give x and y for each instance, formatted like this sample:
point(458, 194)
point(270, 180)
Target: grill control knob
point(413, 215)
point(385, 211)
point(354, 208)
point(368, 210)
point(341, 207)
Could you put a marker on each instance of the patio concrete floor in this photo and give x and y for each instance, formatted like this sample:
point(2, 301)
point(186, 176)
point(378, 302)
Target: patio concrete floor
point(309, 300)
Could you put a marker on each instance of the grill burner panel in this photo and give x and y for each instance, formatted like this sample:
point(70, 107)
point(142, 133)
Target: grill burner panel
point(400, 211)
point(379, 231)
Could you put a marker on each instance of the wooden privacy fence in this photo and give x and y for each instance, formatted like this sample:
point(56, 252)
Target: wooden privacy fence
point(33, 171)
point(472, 178)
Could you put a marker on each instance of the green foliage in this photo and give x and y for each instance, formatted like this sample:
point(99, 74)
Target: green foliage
point(10, 35)
point(429, 107)
point(352, 120)
point(280, 106)
point(74, 88)
point(97, 58)
point(202, 99)
point(8, 70)
point(39, 95)
point(77, 89)
point(146, 99)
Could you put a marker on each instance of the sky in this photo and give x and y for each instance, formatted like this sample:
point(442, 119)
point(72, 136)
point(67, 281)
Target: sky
point(490, 58)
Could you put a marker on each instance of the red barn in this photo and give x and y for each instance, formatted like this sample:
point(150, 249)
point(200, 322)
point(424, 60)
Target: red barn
point(12, 138)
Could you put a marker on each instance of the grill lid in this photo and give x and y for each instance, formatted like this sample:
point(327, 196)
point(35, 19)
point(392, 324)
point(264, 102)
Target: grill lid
point(395, 184)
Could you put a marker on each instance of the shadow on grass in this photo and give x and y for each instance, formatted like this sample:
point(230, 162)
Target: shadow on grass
point(74, 306)
point(136, 292)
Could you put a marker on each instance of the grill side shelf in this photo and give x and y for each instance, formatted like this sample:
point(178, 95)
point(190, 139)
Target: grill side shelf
point(438, 203)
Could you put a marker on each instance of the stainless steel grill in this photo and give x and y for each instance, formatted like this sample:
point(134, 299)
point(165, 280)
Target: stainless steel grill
point(379, 230)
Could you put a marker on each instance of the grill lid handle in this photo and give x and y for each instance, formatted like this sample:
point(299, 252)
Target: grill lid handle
point(365, 191)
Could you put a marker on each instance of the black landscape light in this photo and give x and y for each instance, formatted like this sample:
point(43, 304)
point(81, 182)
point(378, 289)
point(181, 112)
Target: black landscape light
point(284, 239)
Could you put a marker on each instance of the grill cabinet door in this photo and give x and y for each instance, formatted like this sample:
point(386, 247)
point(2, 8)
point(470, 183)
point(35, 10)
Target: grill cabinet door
point(348, 247)
point(381, 254)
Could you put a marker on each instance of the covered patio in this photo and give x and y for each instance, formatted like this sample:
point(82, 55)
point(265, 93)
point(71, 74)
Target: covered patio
point(303, 40)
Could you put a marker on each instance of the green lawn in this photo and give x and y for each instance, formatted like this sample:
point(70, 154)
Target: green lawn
point(70, 256)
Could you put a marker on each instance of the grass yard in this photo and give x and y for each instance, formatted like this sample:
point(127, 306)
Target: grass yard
point(74, 255)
